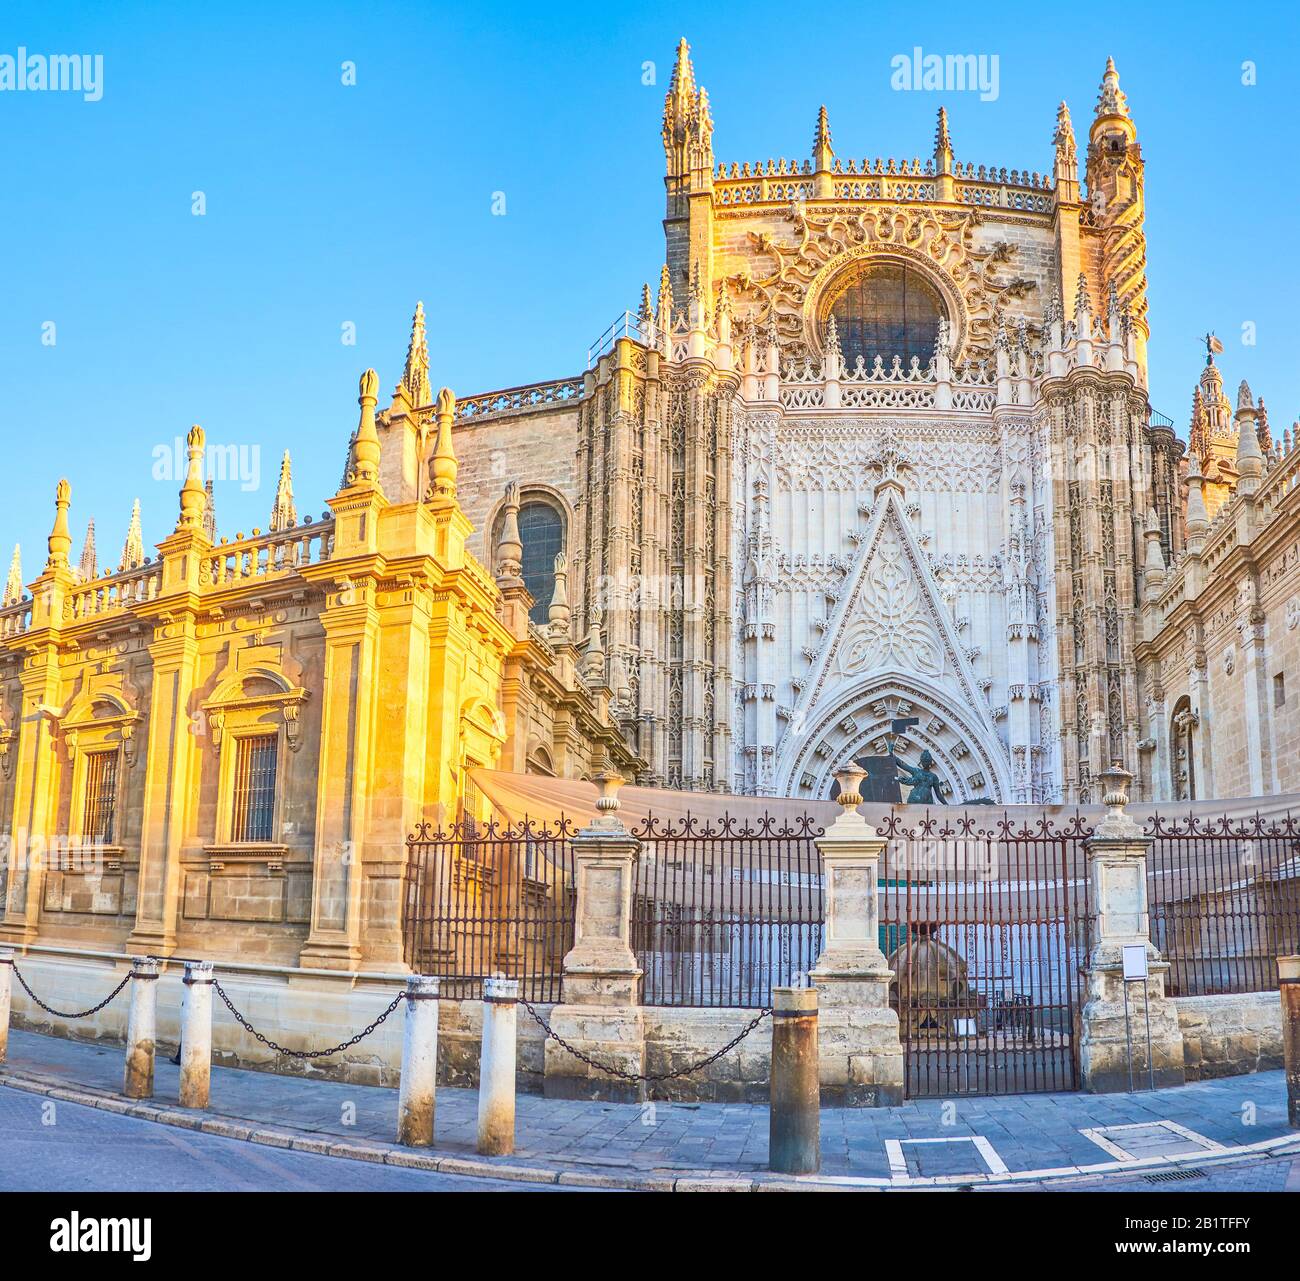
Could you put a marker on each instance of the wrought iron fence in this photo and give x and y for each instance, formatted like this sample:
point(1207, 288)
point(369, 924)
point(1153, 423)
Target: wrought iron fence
point(985, 924)
point(483, 899)
point(722, 913)
point(1224, 897)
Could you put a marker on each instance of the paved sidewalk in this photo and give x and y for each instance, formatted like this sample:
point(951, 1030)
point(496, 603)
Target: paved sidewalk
point(925, 1142)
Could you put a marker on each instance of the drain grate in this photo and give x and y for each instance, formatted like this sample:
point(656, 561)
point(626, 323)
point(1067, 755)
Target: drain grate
point(1174, 1176)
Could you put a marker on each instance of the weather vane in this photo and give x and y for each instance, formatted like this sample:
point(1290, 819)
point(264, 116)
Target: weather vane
point(1212, 346)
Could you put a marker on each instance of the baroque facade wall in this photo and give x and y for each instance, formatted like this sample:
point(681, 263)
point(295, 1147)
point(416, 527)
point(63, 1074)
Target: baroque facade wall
point(223, 750)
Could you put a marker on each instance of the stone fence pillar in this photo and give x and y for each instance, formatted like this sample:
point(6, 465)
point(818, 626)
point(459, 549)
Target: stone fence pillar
point(1117, 872)
point(861, 1056)
point(600, 1013)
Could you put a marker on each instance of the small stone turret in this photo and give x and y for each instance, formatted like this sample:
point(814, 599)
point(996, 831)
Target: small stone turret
point(60, 539)
point(442, 466)
point(194, 495)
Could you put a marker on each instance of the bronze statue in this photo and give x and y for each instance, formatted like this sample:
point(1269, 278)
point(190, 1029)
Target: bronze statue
point(926, 784)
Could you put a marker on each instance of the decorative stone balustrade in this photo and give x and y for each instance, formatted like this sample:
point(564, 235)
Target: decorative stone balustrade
point(780, 181)
point(15, 618)
point(972, 388)
point(113, 592)
point(229, 564)
point(513, 399)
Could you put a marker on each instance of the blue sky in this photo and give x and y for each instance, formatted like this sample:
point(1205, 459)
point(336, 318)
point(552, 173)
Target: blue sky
point(329, 204)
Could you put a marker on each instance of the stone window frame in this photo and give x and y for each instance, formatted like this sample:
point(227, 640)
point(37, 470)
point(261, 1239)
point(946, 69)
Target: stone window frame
point(231, 715)
point(85, 734)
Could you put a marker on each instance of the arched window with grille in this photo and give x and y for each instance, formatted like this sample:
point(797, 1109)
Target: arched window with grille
point(888, 309)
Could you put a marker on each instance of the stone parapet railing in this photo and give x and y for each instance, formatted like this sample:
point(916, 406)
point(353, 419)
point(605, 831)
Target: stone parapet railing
point(877, 386)
point(513, 400)
point(15, 618)
point(113, 592)
point(266, 555)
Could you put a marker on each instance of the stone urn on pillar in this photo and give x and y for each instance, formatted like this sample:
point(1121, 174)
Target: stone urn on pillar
point(860, 1053)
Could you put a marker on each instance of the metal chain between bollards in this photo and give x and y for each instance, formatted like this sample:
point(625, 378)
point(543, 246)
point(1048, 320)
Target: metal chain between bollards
point(636, 1077)
point(66, 1014)
point(304, 1054)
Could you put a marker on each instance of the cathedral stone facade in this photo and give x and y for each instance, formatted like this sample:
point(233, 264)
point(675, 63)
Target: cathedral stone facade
point(877, 447)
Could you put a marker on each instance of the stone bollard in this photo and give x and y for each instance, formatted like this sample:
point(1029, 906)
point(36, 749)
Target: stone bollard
point(794, 1125)
point(496, 1072)
point(6, 983)
point(196, 1035)
point(415, 1102)
point(1288, 981)
point(141, 1028)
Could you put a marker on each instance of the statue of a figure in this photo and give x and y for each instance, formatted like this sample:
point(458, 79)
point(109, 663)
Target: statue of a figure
point(925, 782)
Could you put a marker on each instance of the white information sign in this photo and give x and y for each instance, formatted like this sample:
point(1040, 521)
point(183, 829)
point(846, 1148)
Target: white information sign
point(1135, 961)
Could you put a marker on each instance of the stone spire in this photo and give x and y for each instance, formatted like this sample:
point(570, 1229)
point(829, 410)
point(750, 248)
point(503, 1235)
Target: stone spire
point(558, 614)
point(833, 347)
point(822, 153)
point(593, 651)
point(210, 511)
point(1262, 429)
point(942, 139)
point(1154, 568)
point(442, 466)
point(284, 515)
point(194, 496)
point(510, 548)
point(665, 317)
point(1198, 520)
point(1067, 151)
point(87, 567)
point(364, 469)
point(1082, 308)
point(133, 548)
point(1250, 459)
point(1198, 438)
point(60, 539)
point(415, 377)
point(646, 311)
point(1111, 101)
point(14, 583)
point(687, 124)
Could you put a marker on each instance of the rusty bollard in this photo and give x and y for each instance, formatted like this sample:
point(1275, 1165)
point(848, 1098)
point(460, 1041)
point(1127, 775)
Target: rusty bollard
point(1288, 981)
point(794, 1124)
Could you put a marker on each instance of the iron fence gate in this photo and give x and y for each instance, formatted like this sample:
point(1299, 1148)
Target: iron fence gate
point(985, 925)
point(1224, 895)
point(483, 899)
point(723, 912)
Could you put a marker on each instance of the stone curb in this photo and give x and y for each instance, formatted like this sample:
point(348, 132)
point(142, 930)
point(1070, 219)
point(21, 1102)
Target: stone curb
point(629, 1181)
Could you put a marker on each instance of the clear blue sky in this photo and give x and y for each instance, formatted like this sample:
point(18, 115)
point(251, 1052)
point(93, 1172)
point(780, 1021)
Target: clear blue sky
point(329, 203)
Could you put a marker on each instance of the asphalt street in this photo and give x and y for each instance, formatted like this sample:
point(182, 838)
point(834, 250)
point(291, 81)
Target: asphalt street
point(49, 1146)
